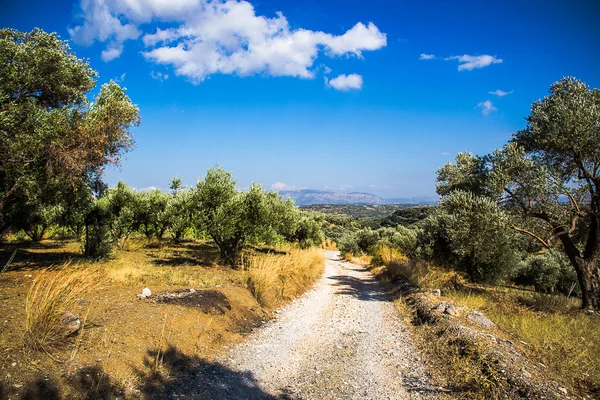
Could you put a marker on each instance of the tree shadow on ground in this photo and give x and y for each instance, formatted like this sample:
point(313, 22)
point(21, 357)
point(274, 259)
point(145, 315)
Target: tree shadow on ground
point(188, 253)
point(190, 377)
point(88, 383)
point(35, 255)
point(362, 289)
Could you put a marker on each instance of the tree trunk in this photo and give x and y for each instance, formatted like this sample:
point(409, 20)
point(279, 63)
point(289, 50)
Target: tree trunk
point(589, 282)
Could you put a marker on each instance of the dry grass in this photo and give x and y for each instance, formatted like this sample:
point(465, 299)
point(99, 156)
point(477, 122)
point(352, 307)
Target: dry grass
point(418, 273)
point(274, 279)
point(564, 338)
point(329, 244)
point(52, 294)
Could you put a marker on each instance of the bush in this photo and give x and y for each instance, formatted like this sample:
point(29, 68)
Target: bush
point(547, 272)
point(98, 239)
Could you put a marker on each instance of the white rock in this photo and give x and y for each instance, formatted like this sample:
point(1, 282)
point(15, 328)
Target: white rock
point(146, 292)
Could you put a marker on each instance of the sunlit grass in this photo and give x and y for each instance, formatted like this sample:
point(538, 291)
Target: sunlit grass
point(274, 279)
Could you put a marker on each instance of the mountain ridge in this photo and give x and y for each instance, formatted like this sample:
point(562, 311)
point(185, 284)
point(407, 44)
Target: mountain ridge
point(306, 197)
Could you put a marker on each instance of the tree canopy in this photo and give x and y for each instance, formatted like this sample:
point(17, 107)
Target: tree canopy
point(53, 138)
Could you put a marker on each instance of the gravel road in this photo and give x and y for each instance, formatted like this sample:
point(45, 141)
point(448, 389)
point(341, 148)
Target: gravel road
point(341, 340)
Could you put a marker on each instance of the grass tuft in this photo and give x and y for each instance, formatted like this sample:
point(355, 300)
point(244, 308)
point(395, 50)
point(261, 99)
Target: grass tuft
point(52, 294)
point(274, 279)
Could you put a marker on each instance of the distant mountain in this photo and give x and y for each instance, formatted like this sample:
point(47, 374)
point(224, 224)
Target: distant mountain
point(308, 197)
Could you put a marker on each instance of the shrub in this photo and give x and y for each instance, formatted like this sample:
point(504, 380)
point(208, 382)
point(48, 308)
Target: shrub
point(547, 272)
point(98, 239)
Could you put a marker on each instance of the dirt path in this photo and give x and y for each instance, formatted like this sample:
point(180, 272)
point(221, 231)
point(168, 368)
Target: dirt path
point(342, 340)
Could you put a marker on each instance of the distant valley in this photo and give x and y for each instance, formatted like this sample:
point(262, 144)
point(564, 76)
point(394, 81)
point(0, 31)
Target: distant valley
point(308, 197)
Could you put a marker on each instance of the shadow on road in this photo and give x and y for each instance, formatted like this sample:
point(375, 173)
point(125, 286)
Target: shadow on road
point(190, 377)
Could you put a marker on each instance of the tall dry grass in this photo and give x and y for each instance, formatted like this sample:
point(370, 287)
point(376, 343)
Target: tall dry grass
point(565, 338)
point(52, 294)
point(274, 279)
point(418, 273)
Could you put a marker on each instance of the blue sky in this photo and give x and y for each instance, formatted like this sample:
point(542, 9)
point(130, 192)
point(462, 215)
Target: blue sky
point(300, 95)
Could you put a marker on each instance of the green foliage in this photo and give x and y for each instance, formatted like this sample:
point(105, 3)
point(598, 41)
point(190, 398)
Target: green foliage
point(52, 137)
point(151, 213)
point(548, 272)
point(235, 218)
point(406, 216)
point(179, 212)
point(98, 238)
point(473, 231)
point(467, 174)
point(36, 219)
point(120, 205)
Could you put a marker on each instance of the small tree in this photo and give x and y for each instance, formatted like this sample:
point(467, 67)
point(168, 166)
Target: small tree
point(119, 205)
point(474, 230)
point(229, 216)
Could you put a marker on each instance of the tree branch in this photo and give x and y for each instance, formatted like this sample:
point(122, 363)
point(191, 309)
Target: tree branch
point(533, 235)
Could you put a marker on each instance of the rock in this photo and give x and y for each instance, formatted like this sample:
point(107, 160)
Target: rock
point(145, 293)
point(436, 292)
point(192, 290)
point(452, 310)
point(562, 390)
point(481, 320)
point(71, 323)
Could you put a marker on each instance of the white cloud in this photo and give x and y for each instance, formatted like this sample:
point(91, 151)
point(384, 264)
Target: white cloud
point(227, 37)
point(486, 107)
point(445, 153)
point(427, 56)
point(500, 93)
point(346, 187)
point(468, 63)
point(120, 78)
point(345, 82)
point(277, 186)
point(102, 25)
point(159, 76)
point(111, 53)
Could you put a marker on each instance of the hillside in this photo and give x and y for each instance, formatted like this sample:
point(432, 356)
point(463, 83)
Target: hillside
point(309, 197)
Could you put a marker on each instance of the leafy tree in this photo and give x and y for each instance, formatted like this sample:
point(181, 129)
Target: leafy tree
point(474, 231)
point(468, 173)
point(232, 218)
point(119, 206)
point(35, 220)
point(151, 213)
point(547, 272)
point(179, 212)
point(556, 159)
point(51, 135)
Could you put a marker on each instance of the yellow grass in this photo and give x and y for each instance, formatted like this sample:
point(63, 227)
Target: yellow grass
point(52, 294)
point(419, 273)
point(329, 244)
point(274, 279)
point(565, 339)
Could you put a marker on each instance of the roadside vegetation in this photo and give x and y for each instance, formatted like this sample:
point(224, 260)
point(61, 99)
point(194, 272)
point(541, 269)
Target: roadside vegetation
point(515, 235)
point(105, 289)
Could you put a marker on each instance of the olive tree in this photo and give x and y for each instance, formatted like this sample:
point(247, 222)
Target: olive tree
point(473, 233)
point(551, 172)
point(232, 217)
point(51, 134)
